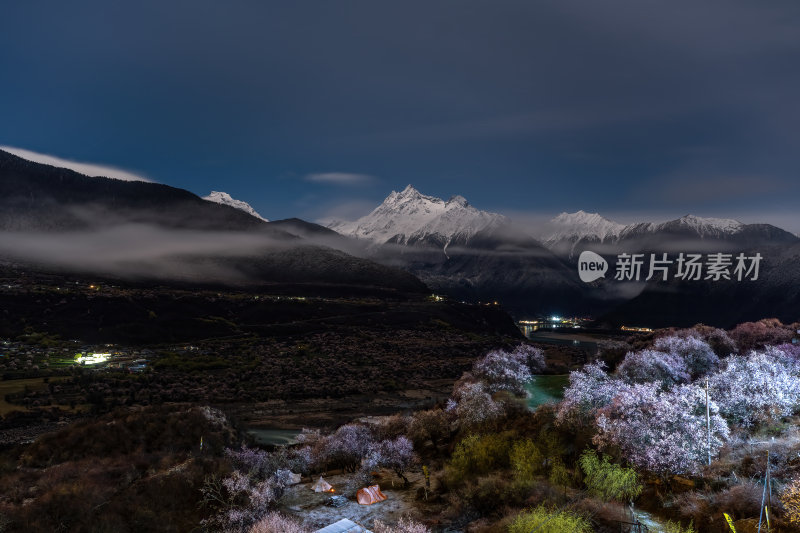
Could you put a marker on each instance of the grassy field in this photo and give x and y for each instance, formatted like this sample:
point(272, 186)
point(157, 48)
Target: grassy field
point(13, 386)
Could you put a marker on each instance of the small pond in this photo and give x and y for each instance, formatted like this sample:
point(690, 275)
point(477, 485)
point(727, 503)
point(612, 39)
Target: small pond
point(546, 389)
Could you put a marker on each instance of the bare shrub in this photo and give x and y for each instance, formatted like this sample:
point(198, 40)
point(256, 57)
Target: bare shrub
point(277, 523)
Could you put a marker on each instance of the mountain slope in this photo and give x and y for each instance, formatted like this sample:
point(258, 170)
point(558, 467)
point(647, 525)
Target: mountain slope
point(56, 220)
point(38, 197)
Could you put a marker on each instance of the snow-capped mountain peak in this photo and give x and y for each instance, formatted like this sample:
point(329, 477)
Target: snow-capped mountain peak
point(580, 226)
point(408, 217)
point(699, 226)
point(703, 225)
point(226, 199)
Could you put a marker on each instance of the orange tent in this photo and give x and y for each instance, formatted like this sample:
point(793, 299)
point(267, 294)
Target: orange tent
point(370, 495)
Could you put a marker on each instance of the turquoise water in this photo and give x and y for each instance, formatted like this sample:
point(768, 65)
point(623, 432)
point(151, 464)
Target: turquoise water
point(546, 389)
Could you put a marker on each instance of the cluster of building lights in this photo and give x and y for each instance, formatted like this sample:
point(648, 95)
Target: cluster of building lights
point(636, 329)
point(92, 358)
point(552, 322)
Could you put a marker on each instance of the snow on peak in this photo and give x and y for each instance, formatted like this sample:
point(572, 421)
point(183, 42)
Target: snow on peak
point(458, 200)
point(700, 226)
point(580, 225)
point(410, 216)
point(409, 191)
point(226, 199)
point(710, 225)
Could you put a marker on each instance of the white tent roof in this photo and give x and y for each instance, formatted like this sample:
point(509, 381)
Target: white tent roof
point(321, 485)
point(343, 526)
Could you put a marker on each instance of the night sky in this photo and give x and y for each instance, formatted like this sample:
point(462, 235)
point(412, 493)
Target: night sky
point(637, 110)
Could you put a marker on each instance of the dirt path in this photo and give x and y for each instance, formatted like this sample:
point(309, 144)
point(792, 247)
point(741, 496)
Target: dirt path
point(332, 412)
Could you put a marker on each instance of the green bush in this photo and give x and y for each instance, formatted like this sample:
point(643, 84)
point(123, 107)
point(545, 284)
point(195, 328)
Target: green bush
point(545, 520)
point(477, 455)
point(608, 481)
point(526, 460)
point(485, 494)
point(560, 475)
point(675, 527)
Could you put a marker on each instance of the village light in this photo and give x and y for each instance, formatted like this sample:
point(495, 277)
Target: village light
point(92, 358)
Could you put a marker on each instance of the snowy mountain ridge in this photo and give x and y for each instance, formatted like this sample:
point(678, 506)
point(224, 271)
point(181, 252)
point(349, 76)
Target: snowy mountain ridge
point(582, 226)
point(578, 226)
point(226, 199)
point(409, 217)
point(703, 227)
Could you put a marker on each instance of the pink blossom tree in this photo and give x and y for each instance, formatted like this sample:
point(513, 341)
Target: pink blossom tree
point(501, 370)
point(304, 461)
point(404, 525)
point(589, 389)
point(697, 354)
point(472, 404)
point(275, 522)
point(661, 431)
point(647, 366)
point(754, 335)
point(759, 387)
point(396, 454)
point(349, 445)
point(257, 463)
point(240, 500)
point(533, 356)
point(791, 350)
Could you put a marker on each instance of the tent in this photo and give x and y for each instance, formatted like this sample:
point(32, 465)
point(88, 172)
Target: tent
point(370, 495)
point(294, 479)
point(322, 486)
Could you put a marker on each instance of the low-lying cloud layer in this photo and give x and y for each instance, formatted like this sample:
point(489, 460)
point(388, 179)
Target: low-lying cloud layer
point(143, 251)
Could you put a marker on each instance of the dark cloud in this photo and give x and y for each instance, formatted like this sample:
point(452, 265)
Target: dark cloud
point(575, 101)
point(339, 178)
point(690, 188)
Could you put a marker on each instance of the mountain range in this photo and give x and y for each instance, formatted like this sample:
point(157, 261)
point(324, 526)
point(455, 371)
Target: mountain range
point(483, 256)
point(55, 219)
point(410, 218)
point(451, 246)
